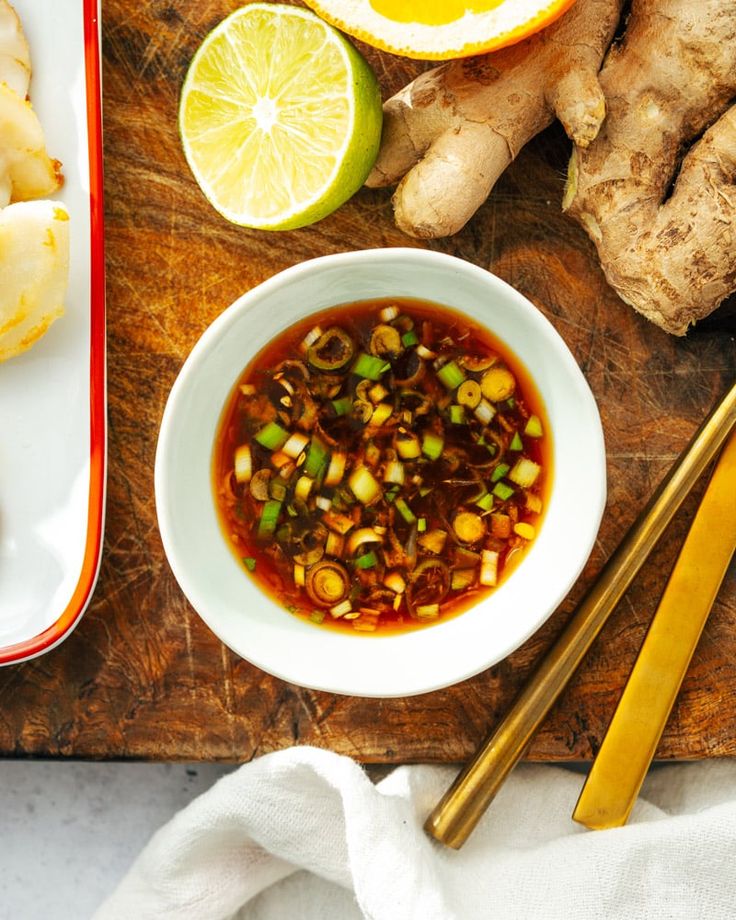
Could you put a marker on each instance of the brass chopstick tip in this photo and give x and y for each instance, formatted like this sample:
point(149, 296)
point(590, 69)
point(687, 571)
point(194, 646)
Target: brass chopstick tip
point(443, 829)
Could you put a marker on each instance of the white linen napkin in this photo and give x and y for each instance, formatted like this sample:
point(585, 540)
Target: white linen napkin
point(304, 834)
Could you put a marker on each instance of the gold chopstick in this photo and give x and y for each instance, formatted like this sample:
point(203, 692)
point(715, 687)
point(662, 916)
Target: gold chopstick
point(460, 809)
point(632, 737)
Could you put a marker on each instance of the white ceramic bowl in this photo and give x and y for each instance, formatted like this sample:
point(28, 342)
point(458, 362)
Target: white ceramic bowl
point(252, 624)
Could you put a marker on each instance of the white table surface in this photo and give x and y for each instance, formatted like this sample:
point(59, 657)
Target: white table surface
point(69, 831)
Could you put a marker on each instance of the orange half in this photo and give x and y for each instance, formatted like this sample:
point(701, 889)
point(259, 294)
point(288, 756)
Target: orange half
point(440, 29)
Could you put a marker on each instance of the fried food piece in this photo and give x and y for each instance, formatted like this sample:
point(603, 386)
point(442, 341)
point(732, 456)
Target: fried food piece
point(34, 269)
point(26, 170)
point(15, 59)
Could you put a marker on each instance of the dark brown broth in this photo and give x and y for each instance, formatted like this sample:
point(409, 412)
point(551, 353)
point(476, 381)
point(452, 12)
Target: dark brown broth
point(273, 571)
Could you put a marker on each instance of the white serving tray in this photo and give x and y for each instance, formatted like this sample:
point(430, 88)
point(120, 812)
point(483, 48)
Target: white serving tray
point(52, 398)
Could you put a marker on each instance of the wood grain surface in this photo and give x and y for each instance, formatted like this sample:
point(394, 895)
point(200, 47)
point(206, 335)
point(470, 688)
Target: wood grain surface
point(142, 676)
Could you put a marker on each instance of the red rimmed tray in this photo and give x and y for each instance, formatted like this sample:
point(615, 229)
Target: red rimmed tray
point(52, 398)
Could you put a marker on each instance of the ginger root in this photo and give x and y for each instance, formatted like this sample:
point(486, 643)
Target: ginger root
point(456, 128)
point(666, 242)
point(668, 250)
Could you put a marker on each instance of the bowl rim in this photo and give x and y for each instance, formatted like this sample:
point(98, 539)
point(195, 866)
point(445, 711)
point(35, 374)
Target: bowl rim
point(402, 684)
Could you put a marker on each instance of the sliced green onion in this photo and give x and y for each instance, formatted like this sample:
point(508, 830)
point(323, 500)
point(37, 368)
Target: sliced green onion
point(457, 415)
point(291, 511)
point(295, 444)
point(364, 486)
point(534, 427)
point(335, 544)
point(433, 541)
point(451, 375)
point(511, 402)
point(299, 575)
point(465, 558)
point(339, 610)
point(269, 518)
point(342, 406)
point(407, 445)
point(499, 472)
point(394, 472)
point(340, 523)
point(310, 338)
point(503, 491)
point(484, 411)
point(516, 442)
point(432, 446)
point(395, 582)
point(391, 494)
point(421, 525)
point(332, 350)
point(336, 469)
point(485, 502)
point(381, 414)
point(405, 511)
point(525, 473)
point(369, 366)
point(377, 392)
point(409, 338)
point(468, 394)
point(316, 457)
point(361, 536)
point(276, 489)
point(279, 459)
point(469, 526)
point(488, 568)
point(272, 436)
point(367, 560)
point(428, 611)
point(303, 487)
point(243, 463)
point(317, 616)
point(462, 578)
point(250, 563)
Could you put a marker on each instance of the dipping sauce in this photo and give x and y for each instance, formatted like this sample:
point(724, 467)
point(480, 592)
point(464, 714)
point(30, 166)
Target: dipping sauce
point(381, 465)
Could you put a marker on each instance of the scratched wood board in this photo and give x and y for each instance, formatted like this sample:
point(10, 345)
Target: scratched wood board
point(142, 676)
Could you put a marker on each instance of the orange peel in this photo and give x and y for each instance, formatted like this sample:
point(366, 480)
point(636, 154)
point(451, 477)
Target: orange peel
point(440, 29)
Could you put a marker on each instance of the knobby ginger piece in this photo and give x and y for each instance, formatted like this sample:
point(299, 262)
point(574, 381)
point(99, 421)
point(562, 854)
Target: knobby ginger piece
point(666, 240)
point(453, 131)
point(34, 270)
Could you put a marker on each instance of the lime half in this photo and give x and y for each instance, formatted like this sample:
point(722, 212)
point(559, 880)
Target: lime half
point(280, 117)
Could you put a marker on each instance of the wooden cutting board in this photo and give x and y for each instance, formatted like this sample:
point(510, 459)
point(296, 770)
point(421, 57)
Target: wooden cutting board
point(142, 676)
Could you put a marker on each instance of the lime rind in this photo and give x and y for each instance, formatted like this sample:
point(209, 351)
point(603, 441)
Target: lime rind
point(223, 95)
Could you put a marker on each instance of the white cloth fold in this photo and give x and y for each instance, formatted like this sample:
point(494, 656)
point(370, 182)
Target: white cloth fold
point(304, 834)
